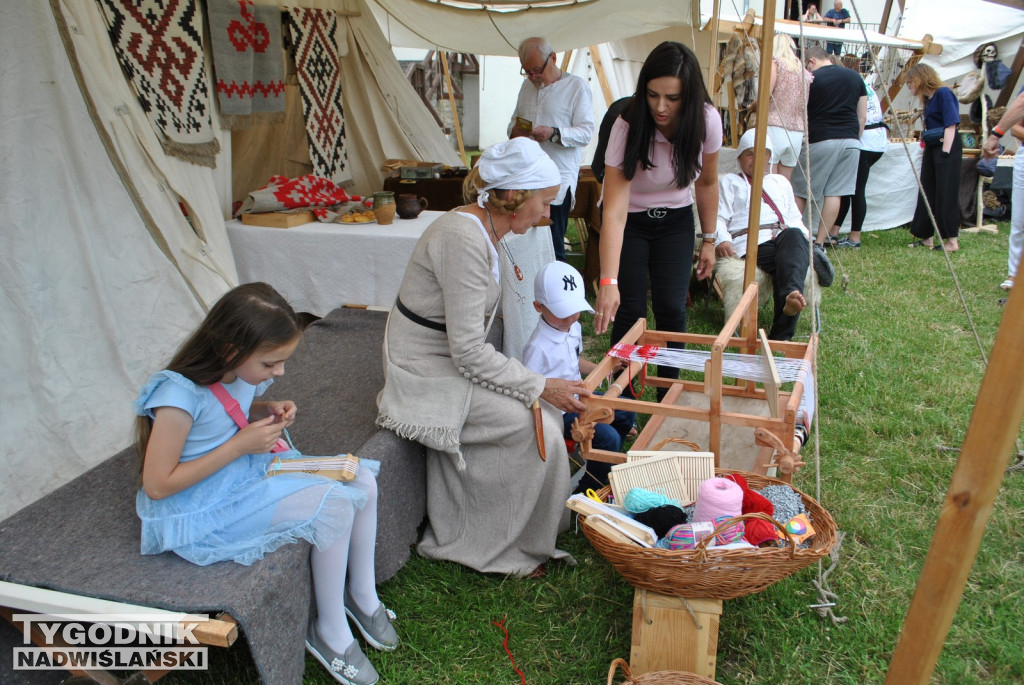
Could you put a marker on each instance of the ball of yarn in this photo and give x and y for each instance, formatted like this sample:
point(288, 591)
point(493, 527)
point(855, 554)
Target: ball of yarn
point(681, 537)
point(686, 536)
point(755, 531)
point(662, 518)
point(786, 501)
point(639, 500)
point(733, 533)
point(717, 497)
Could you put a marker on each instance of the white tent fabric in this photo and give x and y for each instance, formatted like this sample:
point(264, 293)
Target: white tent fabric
point(90, 299)
point(960, 26)
point(418, 24)
point(102, 273)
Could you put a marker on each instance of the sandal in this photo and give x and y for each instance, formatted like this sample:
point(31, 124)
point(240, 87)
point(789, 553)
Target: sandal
point(921, 243)
point(1007, 284)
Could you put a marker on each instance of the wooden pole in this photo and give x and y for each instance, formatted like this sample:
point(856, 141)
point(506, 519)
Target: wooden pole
point(602, 78)
point(984, 456)
point(455, 112)
point(1011, 81)
point(757, 183)
point(566, 58)
point(713, 65)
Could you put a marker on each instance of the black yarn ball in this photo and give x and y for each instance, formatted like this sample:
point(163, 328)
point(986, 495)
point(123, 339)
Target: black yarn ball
point(662, 518)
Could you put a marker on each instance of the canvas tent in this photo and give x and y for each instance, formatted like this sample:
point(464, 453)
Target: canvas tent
point(101, 272)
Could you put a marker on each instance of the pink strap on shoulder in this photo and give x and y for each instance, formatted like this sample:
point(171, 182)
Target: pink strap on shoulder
point(234, 410)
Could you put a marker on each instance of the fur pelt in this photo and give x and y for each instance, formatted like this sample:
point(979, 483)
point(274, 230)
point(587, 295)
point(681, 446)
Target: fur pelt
point(740, 64)
point(729, 274)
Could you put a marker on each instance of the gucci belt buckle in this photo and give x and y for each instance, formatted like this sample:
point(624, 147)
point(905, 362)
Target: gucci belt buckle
point(657, 212)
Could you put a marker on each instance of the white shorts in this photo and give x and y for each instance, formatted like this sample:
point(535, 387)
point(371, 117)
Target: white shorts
point(785, 145)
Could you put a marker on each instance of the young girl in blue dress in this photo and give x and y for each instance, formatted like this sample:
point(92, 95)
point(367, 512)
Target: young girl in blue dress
point(205, 494)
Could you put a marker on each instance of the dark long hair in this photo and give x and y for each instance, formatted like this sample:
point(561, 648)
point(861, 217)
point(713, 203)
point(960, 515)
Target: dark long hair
point(668, 59)
point(246, 319)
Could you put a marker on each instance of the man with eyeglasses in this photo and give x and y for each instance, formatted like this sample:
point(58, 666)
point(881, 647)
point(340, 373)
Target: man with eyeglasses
point(555, 109)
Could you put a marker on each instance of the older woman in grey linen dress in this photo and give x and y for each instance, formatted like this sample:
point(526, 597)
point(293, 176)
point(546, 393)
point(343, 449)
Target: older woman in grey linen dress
point(492, 503)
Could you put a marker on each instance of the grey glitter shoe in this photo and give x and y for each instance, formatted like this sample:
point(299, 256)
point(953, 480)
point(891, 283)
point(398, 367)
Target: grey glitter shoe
point(350, 668)
point(376, 629)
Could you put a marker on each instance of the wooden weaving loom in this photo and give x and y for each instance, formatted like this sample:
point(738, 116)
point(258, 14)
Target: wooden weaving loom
point(747, 427)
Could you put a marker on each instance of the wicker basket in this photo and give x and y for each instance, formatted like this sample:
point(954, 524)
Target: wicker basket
point(656, 677)
point(719, 573)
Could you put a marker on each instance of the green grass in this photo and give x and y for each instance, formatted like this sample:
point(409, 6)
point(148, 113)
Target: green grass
point(899, 373)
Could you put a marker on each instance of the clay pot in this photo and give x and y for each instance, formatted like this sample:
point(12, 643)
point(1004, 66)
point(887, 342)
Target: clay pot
point(409, 206)
point(384, 207)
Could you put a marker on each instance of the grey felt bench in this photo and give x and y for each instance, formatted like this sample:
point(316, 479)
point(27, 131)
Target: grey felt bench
point(84, 537)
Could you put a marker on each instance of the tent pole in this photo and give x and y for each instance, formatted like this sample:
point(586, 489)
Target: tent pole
point(713, 56)
point(455, 112)
point(566, 57)
point(764, 79)
point(1011, 81)
point(595, 57)
point(984, 456)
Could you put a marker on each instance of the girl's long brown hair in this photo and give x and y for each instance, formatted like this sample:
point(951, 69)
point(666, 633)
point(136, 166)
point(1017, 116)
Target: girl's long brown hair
point(250, 317)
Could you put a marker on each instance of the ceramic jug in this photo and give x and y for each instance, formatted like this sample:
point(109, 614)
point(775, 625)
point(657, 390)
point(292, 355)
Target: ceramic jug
point(384, 207)
point(409, 206)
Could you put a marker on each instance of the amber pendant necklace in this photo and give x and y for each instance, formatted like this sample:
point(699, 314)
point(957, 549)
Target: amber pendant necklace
point(515, 267)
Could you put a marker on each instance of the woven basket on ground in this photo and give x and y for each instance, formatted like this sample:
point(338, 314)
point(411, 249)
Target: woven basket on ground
point(656, 677)
point(719, 573)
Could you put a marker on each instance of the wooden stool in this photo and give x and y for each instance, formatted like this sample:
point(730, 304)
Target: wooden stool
point(668, 637)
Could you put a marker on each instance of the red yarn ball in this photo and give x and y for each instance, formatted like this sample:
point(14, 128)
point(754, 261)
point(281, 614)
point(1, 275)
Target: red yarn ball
point(755, 531)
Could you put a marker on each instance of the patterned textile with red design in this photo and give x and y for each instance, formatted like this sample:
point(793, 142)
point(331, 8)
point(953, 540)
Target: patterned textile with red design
point(247, 61)
point(314, 34)
point(159, 46)
point(309, 192)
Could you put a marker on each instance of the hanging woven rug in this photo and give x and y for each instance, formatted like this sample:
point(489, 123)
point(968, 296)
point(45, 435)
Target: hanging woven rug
point(314, 36)
point(159, 46)
point(247, 61)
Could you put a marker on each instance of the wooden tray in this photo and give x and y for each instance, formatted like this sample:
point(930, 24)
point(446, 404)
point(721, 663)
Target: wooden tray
point(278, 219)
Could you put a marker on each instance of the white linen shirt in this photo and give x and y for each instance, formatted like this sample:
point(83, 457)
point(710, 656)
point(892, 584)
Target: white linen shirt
point(568, 106)
point(734, 204)
point(553, 353)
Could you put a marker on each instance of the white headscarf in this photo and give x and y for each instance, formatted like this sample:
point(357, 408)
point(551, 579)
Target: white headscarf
point(516, 164)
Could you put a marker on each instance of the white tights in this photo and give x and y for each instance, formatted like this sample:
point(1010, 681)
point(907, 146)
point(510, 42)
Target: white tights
point(348, 556)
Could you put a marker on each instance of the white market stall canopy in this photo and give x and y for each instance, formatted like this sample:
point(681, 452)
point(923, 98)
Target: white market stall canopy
point(497, 28)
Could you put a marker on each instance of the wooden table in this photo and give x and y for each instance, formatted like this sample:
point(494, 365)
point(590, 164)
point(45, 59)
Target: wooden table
point(587, 210)
point(441, 194)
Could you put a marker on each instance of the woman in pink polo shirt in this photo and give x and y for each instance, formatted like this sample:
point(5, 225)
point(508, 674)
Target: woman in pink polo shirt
point(662, 156)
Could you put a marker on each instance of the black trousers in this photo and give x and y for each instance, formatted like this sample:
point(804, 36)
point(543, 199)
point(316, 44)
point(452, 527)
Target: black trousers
point(559, 224)
point(940, 178)
point(657, 252)
point(858, 201)
point(785, 258)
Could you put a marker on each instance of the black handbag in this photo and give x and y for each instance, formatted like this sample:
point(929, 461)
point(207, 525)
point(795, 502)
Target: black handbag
point(933, 136)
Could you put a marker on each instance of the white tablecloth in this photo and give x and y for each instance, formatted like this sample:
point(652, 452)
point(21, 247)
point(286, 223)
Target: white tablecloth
point(319, 267)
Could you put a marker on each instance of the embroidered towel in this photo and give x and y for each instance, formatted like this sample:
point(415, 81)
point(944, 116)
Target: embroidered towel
point(314, 37)
point(247, 61)
point(159, 46)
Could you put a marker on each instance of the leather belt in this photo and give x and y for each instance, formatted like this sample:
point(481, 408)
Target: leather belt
point(416, 318)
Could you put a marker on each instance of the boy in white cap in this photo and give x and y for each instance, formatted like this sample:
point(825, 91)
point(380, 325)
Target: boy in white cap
point(783, 249)
point(554, 351)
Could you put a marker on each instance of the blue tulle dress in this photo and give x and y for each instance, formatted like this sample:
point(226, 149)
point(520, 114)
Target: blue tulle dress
point(239, 513)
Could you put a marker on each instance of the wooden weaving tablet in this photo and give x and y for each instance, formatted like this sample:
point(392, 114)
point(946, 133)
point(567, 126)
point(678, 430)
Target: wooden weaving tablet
point(676, 475)
point(343, 467)
point(613, 524)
